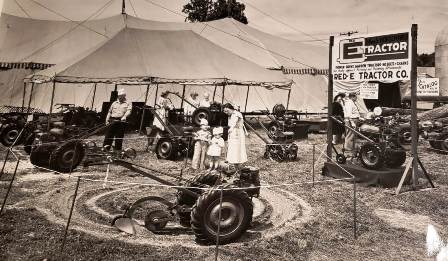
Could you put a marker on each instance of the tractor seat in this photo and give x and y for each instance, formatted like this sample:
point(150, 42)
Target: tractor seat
point(288, 133)
point(59, 124)
point(187, 130)
point(57, 131)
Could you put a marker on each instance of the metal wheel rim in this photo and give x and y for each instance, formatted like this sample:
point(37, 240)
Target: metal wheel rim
point(68, 157)
point(407, 136)
point(12, 135)
point(370, 157)
point(202, 115)
point(232, 215)
point(165, 147)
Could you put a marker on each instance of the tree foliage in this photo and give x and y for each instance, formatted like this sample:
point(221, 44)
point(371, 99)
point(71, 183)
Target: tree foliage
point(426, 60)
point(208, 10)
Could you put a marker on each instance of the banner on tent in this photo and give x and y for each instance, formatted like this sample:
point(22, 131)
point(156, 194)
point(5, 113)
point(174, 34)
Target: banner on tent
point(372, 57)
point(369, 91)
point(428, 87)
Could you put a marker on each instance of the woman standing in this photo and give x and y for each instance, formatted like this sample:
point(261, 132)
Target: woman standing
point(338, 113)
point(163, 104)
point(236, 152)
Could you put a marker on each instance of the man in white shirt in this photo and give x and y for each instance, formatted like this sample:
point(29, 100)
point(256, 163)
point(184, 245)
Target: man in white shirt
point(192, 104)
point(118, 113)
point(206, 101)
point(352, 116)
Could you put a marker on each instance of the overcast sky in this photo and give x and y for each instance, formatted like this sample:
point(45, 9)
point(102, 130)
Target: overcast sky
point(303, 20)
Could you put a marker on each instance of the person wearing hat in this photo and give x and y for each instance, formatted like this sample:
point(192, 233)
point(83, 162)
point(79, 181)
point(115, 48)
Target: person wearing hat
point(163, 104)
point(215, 147)
point(118, 113)
point(338, 113)
point(192, 104)
point(352, 116)
point(202, 138)
point(236, 148)
point(206, 101)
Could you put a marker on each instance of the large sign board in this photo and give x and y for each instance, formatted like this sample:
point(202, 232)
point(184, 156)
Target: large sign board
point(428, 87)
point(372, 57)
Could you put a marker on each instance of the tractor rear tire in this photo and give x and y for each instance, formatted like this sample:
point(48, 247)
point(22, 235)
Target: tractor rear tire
point(436, 144)
point(199, 114)
point(371, 156)
point(40, 158)
point(236, 215)
point(208, 179)
point(166, 149)
point(28, 147)
point(8, 135)
point(395, 157)
point(444, 143)
point(67, 157)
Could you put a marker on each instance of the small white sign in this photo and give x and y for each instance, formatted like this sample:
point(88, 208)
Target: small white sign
point(369, 91)
point(428, 87)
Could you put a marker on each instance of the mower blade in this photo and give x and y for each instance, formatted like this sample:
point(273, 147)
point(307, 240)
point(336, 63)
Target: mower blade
point(126, 225)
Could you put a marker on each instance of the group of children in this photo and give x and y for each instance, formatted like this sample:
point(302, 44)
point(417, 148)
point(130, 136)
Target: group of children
point(207, 146)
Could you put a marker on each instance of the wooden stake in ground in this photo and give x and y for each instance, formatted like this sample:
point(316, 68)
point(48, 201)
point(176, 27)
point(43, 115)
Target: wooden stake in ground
point(405, 174)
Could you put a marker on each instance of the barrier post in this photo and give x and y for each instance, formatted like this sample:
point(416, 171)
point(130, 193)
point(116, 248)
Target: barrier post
point(355, 226)
point(9, 187)
point(314, 160)
point(70, 214)
point(219, 222)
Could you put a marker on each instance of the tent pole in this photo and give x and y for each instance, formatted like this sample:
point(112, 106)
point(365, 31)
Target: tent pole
point(214, 92)
point(23, 98)
point(183, 97)
point(93, 97)
point(51, 104)
point(287, 101)
point(115, 87)
point(223, 91)
point(155, 97)
point(330, 103)
point(144, 109)
point(31, 97)
point(247, 98)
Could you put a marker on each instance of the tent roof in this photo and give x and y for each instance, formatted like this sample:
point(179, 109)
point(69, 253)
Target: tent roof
point(44, 41)
point(142, 56)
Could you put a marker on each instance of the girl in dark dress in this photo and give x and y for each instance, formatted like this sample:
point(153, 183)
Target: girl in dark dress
point(338, 112)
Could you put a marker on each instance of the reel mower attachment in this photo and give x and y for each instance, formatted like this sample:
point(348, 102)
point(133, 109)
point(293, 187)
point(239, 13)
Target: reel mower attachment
point(155, 220)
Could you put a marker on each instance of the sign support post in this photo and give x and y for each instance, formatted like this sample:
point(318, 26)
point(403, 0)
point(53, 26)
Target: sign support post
point(414, 121)
point(330, 101)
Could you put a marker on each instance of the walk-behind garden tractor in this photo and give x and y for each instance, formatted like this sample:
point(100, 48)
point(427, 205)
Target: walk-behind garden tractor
point(436, 132)
point(176, 140)
point(62, 148)
point(283, 120)
point(378, 143)
point(198, 204)
point(280, 147)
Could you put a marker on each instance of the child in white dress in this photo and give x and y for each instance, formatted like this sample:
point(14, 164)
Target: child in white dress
point(215, 148)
